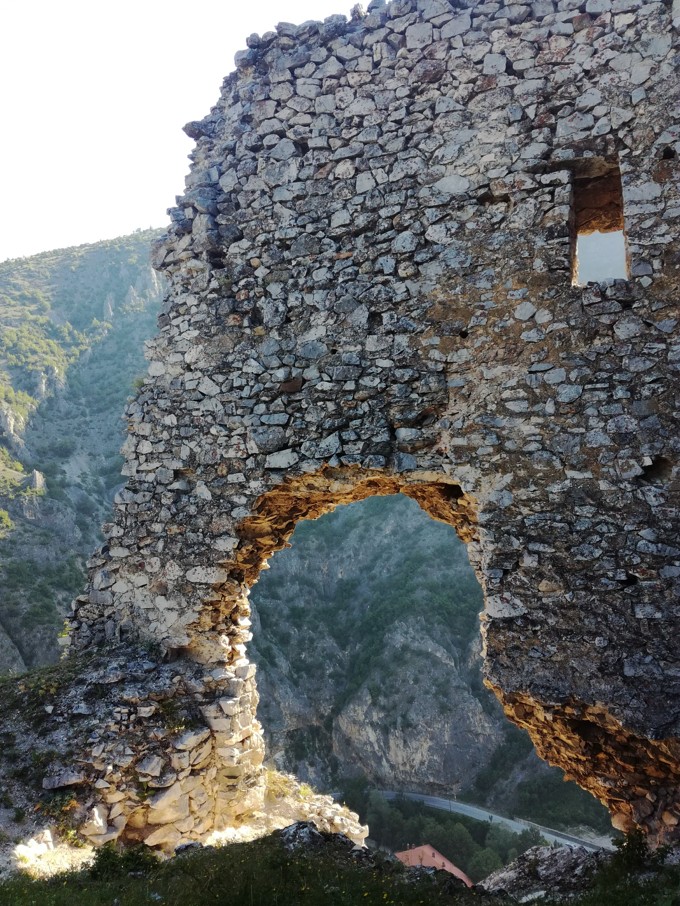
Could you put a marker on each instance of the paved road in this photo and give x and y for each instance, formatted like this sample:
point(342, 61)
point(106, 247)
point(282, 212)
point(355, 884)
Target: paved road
point(514, 824)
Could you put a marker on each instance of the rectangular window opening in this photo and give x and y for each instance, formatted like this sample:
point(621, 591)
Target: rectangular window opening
point(599, 249)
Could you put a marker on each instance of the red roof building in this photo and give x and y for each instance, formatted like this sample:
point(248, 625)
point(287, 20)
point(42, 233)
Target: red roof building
point(429, 857)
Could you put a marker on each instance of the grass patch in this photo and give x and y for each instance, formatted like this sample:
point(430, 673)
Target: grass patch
point(27, 695)
point(262, 873)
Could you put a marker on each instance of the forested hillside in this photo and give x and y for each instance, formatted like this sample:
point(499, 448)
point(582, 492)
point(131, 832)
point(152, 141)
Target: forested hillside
point(392, 684)
point(72, 326)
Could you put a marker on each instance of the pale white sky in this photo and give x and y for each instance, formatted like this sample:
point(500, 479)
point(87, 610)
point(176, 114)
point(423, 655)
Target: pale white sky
point(93, 98)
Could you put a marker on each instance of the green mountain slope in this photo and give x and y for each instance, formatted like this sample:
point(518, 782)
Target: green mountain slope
point(72, 325)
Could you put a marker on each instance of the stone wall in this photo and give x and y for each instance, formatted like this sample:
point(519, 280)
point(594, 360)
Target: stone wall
point(370, 292)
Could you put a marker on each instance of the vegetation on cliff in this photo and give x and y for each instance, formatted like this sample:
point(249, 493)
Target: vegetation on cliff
point(72, 325)
point(379, 605)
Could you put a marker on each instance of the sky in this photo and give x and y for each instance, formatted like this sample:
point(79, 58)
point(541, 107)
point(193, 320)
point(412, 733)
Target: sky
point(601, 256)
point(93, 97)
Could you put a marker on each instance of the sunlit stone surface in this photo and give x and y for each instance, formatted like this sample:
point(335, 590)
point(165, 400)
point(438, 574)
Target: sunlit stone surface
point(370, 292)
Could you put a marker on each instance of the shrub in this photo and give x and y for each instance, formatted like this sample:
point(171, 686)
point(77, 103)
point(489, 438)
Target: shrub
point(111, 863)
point(6, 524)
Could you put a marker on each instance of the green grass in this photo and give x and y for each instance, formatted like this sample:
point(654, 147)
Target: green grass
point(263, 873)
point(253, 874)
point(660, 889)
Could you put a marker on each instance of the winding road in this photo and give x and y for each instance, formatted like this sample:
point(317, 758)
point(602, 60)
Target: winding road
point(514, 824)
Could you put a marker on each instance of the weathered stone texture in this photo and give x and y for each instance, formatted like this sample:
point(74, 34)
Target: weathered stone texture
point(370, 291)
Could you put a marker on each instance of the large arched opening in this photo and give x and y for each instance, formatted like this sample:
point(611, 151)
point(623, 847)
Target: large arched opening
point(366, 637)
point(211, 637)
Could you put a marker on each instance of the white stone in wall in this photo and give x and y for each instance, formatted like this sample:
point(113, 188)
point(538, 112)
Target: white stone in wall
point(207, 575)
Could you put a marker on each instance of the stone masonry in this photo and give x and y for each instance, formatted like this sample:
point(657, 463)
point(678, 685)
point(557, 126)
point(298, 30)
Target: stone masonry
point(370, 291)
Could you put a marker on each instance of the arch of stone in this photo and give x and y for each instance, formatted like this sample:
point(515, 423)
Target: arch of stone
point(370, 291)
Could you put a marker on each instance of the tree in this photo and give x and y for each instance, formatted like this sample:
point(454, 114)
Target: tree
point(501, 840)
point(483, 863)
point(460, 845)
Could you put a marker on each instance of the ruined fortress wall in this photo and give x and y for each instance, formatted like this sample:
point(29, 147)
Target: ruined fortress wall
point(371, 291)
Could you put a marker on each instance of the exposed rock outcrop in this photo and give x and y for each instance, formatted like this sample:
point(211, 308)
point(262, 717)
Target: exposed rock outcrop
point(12, 426)
point(10, 657)
point(563, 872)
point(366, 638)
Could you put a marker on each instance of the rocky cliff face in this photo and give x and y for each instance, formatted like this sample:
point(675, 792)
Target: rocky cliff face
point(366, 635)
point(426, 729)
